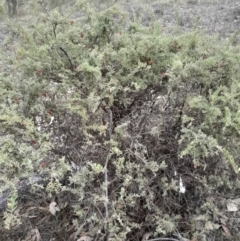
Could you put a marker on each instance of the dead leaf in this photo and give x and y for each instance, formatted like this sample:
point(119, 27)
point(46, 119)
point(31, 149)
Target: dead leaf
point(226, 232)
point(33, 235)
point(180, 237)
point(211, 226)
point(146, 236)
point(37, 235)
point(85, 238)
point(194, 239)
point(223, 220)
point(232, 207)
point(236, 201)
point(52, 208)
point(223, 217)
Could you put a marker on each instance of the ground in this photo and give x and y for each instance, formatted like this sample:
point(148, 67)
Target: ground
point(220, 17)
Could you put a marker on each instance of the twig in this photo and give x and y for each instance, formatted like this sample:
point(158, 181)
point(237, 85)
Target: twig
point(79, 230)
point(106, 167)
point(179, 238)
point(44, 8)
point(106, 187)
point(66, 54)
point(54, 24)
point(166, 239)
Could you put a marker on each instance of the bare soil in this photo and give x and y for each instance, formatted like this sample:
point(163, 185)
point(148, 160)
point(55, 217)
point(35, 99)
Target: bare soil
point(221, 17)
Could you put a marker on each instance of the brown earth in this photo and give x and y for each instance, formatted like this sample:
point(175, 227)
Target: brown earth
point(220, 17)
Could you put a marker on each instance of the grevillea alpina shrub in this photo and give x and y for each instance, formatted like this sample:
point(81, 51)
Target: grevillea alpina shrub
point(141, 127)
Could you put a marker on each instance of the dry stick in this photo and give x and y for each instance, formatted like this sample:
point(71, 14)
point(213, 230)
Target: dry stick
point(54, 24)
point(106, 173)
point(44, 8)
point(106, 166)
point(106, 187)
point(79, 230)
point(166, 239)
point(66, 54)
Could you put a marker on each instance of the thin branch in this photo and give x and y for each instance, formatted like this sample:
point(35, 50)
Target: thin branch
point(54, 24)
point(106, 187)
point(79, 229)
point(44, 8)
point(106, 166)
point(166, 239)
point(66, 54)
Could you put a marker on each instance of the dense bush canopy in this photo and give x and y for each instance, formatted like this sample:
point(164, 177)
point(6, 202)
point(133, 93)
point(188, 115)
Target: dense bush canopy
point(133, 132)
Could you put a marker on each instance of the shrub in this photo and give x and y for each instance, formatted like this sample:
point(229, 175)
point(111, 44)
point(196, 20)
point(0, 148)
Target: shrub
point(141, 127)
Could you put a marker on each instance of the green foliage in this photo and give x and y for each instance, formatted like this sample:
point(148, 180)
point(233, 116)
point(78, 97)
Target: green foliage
point(82, 103)
point(10, 217)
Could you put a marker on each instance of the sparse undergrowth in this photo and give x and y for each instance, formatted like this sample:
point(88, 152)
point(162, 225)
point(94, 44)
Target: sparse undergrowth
point(136, 131)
